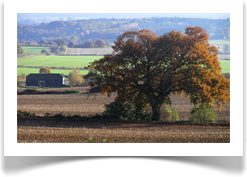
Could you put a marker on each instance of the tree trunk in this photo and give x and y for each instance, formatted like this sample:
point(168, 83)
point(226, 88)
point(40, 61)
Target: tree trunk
point(156, 112)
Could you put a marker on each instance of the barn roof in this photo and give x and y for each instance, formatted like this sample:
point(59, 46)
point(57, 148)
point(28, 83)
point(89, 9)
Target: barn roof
point(44, 76)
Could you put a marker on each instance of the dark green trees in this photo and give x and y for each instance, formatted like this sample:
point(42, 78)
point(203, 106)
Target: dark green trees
point(19, 49)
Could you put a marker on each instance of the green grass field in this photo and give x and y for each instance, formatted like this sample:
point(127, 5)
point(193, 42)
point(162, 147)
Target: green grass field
point(73, 62)
point(58, 61)
point(219, 42)
point(28, 49)
point(225, 64)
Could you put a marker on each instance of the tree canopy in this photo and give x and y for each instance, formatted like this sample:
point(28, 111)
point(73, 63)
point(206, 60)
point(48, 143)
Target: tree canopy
point(60, 42)
point(19, 49)
point(75, 78)
point(42, 42)
point(145, 69)
point(103, 28)
point(101, 43)
point(44, 70)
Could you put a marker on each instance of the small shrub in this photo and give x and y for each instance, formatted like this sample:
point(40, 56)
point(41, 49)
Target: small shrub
point(204, 114)
point(126, 111)
point(25, 113)
point(138, 114)
point(97, 117)
point(103, 140)
point(44, 51)
point(47, 114)
point(91, 140)
point(59, 116)
point(29, 91)
point(169, 114)
point(116, 110)
point(75, 78)
point(44, 70)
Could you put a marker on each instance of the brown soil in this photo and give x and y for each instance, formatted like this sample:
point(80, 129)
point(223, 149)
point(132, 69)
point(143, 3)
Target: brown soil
point(45, 131)
point(81, 104)
point(62, 131)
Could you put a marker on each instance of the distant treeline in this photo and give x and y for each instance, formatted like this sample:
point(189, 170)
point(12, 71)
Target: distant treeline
point(108, 29)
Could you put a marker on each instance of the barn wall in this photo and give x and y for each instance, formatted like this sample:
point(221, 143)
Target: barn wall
point(49, 82)
point(53, 83)
point(30, 82)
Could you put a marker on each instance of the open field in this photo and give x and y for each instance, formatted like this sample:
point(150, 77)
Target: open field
point(58, 61)
point(29, 49)
point(225, 64)
point(80, 104)
point(68, 131)
point(41, 131)
point(74, 61)
point(219, 43)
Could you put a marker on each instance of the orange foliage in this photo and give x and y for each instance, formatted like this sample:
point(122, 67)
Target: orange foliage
point(145, 69)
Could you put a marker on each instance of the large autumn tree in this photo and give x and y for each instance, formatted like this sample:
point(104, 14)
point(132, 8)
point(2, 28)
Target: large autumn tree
point(146, 69)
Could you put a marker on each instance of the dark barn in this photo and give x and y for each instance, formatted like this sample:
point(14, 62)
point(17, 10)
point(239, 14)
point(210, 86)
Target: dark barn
point(45, 80)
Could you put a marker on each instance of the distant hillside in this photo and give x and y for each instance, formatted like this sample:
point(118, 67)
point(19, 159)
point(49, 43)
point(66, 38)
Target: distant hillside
point(79, 31)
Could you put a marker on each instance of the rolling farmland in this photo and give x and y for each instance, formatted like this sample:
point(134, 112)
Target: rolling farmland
point(81, 104)
point(35, 49)
point(59, 131)
point(66, 131)
point(54, 61)
point(72, 62)
point(80, 132)
point(219, 43)
point(225, 64)
point(57, 61)
point(62, 131)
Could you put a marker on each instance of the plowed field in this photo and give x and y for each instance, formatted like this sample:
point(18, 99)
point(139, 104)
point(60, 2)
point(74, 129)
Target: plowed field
point(38, 131)
point(51, 131)
point(81, 104)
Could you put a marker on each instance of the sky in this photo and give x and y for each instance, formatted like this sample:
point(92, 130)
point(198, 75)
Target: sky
point(65, 16)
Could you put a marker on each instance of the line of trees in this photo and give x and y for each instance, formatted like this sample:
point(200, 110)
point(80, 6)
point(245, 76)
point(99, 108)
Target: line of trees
point(80, 30)
point(99, 43)
point(61, 46)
